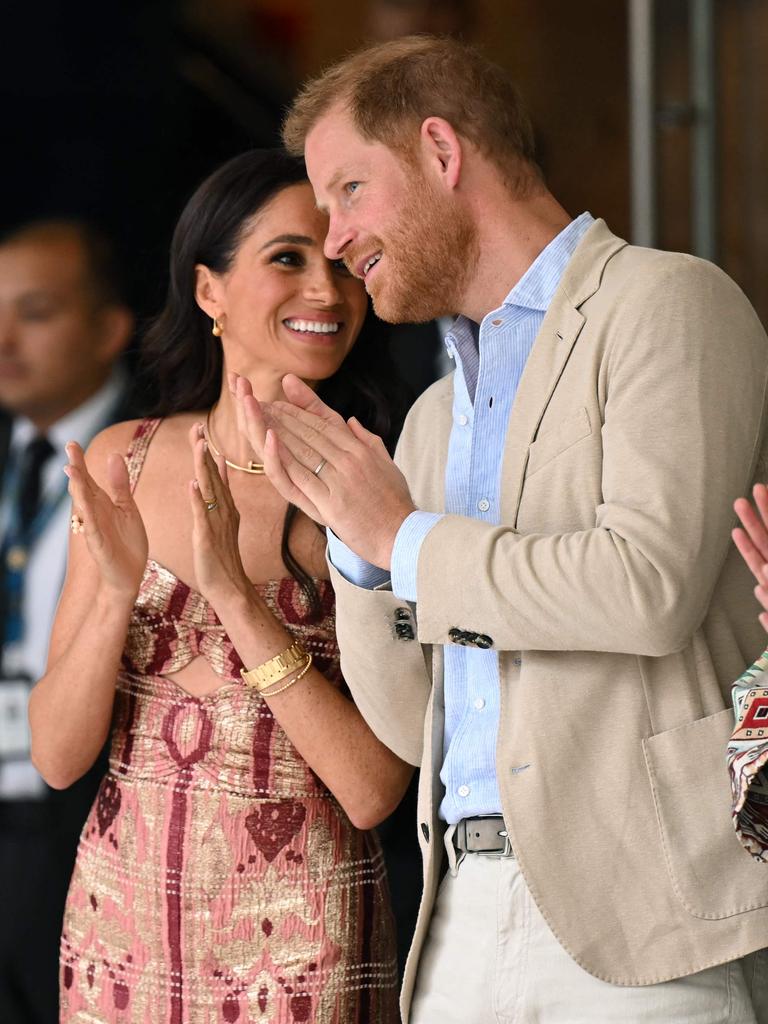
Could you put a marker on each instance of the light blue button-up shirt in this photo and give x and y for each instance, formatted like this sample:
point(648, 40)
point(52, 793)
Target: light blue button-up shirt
point(489, 364)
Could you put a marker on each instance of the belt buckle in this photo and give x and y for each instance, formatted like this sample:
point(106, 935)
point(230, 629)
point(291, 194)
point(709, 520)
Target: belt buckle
point(472, 843)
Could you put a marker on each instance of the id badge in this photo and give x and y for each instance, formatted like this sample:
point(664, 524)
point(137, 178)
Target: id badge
point(14, 724)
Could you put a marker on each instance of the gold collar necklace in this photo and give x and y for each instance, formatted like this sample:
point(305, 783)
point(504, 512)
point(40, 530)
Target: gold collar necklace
point(257, 468)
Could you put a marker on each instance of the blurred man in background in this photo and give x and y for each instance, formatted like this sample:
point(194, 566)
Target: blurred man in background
point(63, 326)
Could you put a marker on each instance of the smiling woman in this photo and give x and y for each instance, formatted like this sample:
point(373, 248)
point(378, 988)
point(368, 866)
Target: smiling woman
point(225, 872)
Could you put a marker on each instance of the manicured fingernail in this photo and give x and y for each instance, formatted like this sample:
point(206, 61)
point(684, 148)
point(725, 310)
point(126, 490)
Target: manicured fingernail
point(205, 446)
point(196, 485)
point(200, 430)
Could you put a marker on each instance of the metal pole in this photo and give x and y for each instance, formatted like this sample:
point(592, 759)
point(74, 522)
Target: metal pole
point(642, 122)
point(703, 155)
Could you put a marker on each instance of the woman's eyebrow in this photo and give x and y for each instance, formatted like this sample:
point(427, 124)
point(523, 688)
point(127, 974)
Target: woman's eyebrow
point(288, 240)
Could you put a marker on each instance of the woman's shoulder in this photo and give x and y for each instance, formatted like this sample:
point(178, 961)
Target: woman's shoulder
point(119, 437)
point(115, 438)
point(158, 442)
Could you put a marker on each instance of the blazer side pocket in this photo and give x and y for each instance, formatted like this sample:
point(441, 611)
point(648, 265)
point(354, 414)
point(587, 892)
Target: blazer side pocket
point(712, 874)
point(556, 440)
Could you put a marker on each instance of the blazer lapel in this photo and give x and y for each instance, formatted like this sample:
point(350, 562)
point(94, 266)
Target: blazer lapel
point(558, 334)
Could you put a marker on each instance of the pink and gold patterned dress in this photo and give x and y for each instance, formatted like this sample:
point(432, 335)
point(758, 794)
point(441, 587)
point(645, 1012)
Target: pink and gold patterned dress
point(217, 879)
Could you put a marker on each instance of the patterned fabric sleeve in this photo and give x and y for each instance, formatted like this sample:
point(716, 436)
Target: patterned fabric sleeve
point(747, 757)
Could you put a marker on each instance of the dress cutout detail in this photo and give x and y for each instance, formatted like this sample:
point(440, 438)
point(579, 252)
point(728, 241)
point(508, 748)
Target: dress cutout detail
point(217, 879)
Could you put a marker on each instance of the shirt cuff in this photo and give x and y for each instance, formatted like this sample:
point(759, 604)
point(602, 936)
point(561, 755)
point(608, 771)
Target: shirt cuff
point(352, 567)
point(405, 552)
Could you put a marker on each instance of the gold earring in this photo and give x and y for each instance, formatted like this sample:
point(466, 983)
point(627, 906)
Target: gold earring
point(216, 329)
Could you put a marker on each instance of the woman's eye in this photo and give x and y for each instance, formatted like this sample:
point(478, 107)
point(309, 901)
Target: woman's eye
point(288, 259)
point(341, 267)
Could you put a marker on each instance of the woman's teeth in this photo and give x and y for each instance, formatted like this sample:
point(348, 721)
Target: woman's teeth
point(313, 326)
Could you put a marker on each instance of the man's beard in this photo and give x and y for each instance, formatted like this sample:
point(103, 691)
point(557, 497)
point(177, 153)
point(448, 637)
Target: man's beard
point(430, 254)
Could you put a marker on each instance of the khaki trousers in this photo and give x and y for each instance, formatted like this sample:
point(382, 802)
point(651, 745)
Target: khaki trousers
point(490, 958)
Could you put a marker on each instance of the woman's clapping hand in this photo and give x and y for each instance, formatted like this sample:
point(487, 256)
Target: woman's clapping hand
point(215, 526)
point(111, 523)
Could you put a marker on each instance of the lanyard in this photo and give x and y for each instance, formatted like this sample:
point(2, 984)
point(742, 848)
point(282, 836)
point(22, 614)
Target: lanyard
point(16, 547)
point(20, 538)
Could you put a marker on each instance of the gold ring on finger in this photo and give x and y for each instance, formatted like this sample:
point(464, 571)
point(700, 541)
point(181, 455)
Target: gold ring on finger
point(319, 467)
point(210, 504)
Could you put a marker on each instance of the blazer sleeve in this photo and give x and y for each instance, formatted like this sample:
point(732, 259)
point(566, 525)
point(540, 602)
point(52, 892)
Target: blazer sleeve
point(684, 376)
point(383, 664)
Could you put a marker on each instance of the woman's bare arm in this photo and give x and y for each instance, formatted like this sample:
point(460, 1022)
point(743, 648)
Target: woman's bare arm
point(326, 728)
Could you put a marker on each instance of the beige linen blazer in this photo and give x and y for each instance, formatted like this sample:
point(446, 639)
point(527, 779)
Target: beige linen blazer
point(620, 610)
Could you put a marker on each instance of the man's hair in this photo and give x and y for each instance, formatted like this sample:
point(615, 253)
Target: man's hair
point(390, 88)
point(103, 275)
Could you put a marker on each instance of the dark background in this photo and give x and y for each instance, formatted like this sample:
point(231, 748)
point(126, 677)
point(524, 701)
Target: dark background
point(115, 110)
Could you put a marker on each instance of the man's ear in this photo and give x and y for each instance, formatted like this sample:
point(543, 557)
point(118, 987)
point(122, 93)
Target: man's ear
point(441, 150)
point(115, 329)
point(207, 291)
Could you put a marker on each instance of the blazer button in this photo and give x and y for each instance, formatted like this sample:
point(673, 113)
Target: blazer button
point(402, 613)
point(404, 631)
point(483, 641)
point(425, 831)
point(459, 636)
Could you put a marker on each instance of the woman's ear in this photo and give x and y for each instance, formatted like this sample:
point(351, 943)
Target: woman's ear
point(207, 291)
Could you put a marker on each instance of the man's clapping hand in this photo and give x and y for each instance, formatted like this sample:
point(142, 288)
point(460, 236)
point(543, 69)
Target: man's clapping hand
point(337, 472)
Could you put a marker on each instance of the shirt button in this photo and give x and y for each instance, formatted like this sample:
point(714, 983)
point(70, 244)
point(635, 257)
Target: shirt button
point(463, 420)
point(463, 790)
point(483, 504)
point(497, 323)
point(479, 703)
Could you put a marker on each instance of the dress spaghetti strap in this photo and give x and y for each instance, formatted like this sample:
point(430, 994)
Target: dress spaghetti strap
point(137, 449)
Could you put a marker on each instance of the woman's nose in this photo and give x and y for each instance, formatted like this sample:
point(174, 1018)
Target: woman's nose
point(322, 285)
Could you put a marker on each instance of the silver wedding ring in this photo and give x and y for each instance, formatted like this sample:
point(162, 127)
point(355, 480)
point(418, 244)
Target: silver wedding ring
point(319, 468)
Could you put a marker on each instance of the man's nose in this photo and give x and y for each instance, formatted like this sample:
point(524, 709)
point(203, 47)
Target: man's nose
point(7, 333)
point(338, 238)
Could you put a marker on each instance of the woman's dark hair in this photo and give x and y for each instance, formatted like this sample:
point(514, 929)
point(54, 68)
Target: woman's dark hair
point(181, 358)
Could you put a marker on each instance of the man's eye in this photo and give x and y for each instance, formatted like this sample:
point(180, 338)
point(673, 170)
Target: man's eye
point(288, 259)
point(352, 186)
point(341, 267)
point(37, 315)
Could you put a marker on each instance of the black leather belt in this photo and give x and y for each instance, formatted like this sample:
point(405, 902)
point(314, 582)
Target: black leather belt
point(484, 834)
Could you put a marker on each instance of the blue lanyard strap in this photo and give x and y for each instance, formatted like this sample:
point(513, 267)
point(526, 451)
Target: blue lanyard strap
point(19, 540)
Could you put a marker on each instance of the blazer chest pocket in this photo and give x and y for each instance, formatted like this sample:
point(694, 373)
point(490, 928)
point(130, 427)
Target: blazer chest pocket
point(556, 440)
point(712, 874)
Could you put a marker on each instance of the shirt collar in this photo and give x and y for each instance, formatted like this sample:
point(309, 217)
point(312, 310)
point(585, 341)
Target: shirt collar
point(538, 284)
point(79, 425)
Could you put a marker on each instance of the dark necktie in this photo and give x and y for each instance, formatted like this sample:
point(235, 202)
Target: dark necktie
point(31, 463)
